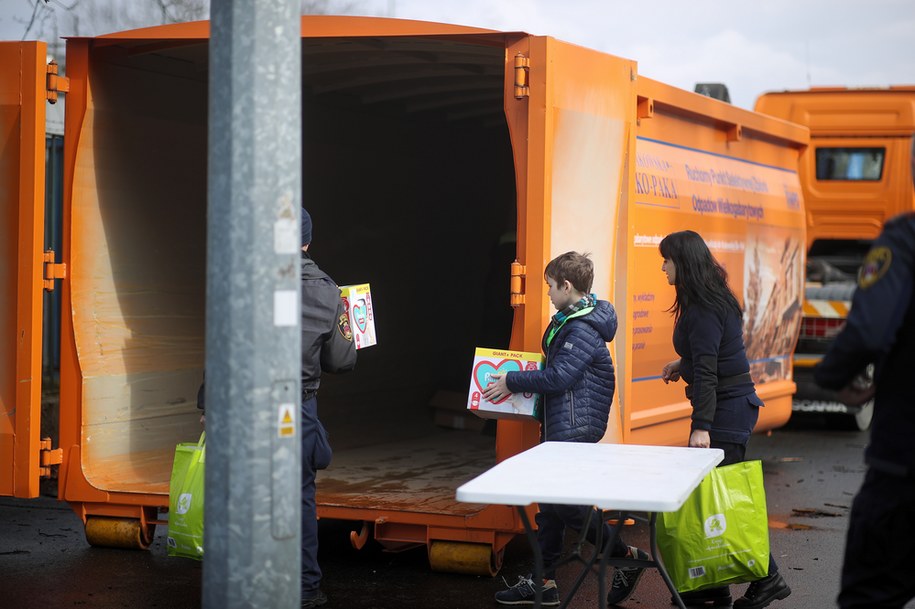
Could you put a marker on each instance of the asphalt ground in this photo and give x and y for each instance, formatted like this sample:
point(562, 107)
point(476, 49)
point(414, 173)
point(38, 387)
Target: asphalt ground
point(811, 473)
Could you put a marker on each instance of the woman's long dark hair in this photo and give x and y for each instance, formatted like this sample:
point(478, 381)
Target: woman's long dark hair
point(699, 279)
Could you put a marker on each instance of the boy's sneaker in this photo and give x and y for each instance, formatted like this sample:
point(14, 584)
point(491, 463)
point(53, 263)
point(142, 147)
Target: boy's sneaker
point(626, 578)
point(523, 593)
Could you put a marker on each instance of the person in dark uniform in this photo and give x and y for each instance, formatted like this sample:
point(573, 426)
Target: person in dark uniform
point(327, 345)
point(708, 337)
point(880, 330)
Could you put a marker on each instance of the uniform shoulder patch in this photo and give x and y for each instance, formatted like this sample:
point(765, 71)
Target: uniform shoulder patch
point(876, 264)
point(343, 327)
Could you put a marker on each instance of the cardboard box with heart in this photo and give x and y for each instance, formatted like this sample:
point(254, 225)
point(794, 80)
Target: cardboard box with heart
point(517, 406)
point(357, 302)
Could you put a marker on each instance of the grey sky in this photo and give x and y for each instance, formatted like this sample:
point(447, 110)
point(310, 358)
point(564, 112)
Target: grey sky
point(752, 46)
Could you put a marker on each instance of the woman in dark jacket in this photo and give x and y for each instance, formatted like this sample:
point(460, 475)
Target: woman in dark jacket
point(708, 337)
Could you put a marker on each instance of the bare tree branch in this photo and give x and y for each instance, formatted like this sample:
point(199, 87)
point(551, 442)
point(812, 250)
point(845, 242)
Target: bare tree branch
point(28, 28)
point(64, 6)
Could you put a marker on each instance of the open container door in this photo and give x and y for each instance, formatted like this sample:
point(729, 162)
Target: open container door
point(578, 106)
point(22, 123)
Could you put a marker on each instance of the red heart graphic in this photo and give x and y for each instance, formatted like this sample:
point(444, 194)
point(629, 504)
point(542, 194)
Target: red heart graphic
point(485, 367)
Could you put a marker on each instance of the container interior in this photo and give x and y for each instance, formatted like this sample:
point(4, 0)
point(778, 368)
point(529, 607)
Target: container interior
point(409, 177)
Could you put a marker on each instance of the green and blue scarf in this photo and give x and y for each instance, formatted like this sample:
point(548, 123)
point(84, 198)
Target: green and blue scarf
point(577, 309)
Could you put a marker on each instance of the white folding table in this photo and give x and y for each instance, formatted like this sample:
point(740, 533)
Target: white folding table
point(621, 477)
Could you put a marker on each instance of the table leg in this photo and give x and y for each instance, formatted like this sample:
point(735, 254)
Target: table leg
point(602, 549)
point(539, 567)
point(653, 542)
point(588, 564)
point(538, 556)
point(605, 560)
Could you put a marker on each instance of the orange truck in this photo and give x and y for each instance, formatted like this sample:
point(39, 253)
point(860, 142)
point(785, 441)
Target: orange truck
point(855, 175)
point(427, 150)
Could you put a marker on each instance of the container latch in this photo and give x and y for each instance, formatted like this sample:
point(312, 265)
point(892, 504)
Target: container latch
point(52, 270)
point(518, 273)
point(48, 457)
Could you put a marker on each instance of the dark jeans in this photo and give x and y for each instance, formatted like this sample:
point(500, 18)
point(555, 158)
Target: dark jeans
point(736, 453)
point(880, 546)
point(311, 571)
point(552, 521)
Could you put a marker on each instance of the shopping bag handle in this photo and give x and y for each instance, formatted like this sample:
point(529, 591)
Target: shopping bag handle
point(201, 446)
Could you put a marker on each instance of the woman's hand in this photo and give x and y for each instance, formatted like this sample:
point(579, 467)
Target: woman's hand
point(496, 390)
point(671, 371)
point(700, 439)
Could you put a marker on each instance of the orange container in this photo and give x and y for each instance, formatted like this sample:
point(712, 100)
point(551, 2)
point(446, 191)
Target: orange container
point(461, 161)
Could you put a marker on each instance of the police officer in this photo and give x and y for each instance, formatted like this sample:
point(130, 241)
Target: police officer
point(880, 330)
point(327, 346)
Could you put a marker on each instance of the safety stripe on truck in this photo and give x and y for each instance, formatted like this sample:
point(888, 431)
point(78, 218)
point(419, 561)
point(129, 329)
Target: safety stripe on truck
point(826, 308)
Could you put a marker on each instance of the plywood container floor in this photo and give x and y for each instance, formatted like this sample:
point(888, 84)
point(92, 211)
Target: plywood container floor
point(414, 467)
point(417, 474)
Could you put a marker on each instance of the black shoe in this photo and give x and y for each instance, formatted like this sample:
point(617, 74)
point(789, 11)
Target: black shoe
point(523, 593)
point(313, 598)
point(762, 592)
point(714, 597)
point(626, 578)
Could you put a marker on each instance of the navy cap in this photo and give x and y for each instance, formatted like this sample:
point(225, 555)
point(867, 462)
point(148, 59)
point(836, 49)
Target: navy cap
point(306, 227)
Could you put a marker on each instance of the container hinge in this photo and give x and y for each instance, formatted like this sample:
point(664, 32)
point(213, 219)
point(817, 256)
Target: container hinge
point(518, 273)
point(48, 457)
point(522, 76)
point(56, 83)
point(52, 270)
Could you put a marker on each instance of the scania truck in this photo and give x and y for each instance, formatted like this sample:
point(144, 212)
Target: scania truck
point(855, 175)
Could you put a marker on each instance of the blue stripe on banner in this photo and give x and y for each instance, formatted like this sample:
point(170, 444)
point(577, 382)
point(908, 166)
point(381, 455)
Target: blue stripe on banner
point(723, 156)
point(657, 205)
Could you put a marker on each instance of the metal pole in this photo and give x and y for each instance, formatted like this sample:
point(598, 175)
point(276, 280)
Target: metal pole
point(253, 341)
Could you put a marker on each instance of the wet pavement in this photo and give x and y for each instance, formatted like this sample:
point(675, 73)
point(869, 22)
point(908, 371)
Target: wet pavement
point(811, 475)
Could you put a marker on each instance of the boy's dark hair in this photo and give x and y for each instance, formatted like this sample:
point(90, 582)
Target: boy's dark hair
point(573, 267)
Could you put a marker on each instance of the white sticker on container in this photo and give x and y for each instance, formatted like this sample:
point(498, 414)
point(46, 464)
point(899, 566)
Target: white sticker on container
point(285, 308)
point(286, 236)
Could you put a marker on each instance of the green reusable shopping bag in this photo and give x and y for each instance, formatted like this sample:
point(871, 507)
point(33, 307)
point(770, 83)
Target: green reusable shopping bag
point(721, 534)
point(185, 500)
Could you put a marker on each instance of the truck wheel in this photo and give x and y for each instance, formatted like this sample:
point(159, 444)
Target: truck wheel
point(858, 421)
point(468, 558)
point(128, 533)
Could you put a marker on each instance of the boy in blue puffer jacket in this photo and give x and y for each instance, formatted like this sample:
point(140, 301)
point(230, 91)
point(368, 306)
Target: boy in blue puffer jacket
point(577, 384)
